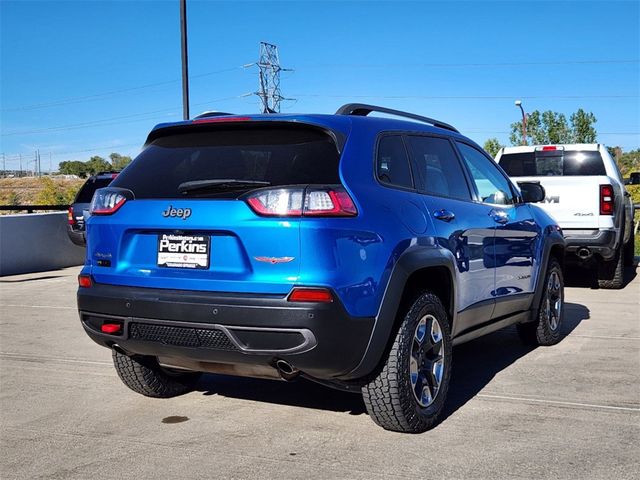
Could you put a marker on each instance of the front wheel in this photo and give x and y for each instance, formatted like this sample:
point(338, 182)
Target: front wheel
point(409, 393)
point(545, 329)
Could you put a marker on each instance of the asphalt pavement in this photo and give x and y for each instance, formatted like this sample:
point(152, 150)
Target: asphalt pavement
point(568, 411)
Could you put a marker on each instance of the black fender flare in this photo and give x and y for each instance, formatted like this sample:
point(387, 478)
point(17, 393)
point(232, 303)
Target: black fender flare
point(413, 259)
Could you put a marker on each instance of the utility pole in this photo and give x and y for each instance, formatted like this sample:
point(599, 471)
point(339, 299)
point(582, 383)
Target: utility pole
point(269, 76)
point(185, 60)
point(20, 165)
point(49, 163)
point(4, 166)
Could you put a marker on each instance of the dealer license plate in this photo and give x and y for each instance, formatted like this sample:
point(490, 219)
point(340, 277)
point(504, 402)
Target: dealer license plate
point(183, 251)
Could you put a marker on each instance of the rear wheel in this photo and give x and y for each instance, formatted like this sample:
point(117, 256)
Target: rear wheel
point(611, 272)
point(143, 375)
point(409, 393)
point(545, 330)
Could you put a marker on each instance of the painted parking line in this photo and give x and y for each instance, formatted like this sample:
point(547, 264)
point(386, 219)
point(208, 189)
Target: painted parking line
point(558, 402)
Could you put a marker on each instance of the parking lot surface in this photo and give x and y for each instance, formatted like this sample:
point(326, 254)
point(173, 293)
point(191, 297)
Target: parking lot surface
point(568, 411)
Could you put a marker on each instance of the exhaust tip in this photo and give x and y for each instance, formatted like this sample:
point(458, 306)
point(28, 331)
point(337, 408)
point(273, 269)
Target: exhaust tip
point(584, 253)
point(287, 371)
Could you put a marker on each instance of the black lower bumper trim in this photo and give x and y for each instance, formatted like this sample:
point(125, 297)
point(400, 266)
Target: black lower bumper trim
point(320, 339)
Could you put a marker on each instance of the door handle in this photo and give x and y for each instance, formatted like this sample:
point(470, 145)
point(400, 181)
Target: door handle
point(499, 216)
point(444, 215)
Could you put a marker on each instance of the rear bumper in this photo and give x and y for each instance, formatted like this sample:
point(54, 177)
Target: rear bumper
point(319, 339)
point(600, 242)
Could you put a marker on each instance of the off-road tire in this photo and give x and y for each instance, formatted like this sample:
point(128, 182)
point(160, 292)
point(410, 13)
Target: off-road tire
point(143, 375)
point(389, 397)
point(611, 273)
point(630, 249)
point(542, 331)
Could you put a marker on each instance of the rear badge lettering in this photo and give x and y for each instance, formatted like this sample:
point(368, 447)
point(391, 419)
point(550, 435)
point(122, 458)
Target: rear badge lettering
point(579, 214)
point(183, 213)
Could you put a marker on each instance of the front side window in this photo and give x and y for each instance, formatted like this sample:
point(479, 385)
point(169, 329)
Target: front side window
point(436, 168)
point(392, 164)
point(492, 186)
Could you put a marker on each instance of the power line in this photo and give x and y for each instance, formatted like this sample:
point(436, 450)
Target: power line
point(466, 97)
point(469, 65)
point(109, 121)
point(96, 96)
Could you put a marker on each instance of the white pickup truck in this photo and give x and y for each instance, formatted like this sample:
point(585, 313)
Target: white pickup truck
point(586, 195)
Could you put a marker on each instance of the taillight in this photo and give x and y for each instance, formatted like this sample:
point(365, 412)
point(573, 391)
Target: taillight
point(330, 201)
point(606, 200)
point(107, 201)
point(70, 218)
point(318, 295)
point(85, 281)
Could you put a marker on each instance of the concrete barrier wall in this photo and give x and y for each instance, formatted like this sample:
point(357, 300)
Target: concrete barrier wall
point(36, 242)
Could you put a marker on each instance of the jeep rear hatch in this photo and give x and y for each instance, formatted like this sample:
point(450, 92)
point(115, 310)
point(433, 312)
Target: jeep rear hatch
point(213, 207)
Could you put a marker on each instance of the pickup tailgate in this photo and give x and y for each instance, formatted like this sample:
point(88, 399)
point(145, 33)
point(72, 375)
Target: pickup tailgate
point(573, 201)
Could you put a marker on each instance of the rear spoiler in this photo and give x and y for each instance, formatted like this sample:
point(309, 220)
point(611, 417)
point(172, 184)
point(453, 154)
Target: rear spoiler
point(227, 123)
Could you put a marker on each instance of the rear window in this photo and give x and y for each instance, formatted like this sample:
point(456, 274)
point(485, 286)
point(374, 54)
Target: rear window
point(86, 192)
point(552, 163)
point(277, 155)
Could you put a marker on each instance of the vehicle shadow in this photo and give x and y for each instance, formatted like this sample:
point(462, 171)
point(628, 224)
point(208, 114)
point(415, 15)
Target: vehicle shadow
point(475, 364)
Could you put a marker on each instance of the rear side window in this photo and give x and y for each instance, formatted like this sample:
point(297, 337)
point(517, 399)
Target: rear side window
point(552, 163)
point(392, 164)
point(274, 155)
point(88, 189)
point(436, 167)
point(493, 187)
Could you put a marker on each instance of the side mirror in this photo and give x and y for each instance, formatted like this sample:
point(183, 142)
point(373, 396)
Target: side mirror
point(532, 192)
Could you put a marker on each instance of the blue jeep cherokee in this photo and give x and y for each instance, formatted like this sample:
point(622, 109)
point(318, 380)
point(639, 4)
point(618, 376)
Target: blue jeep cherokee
point(351, 250)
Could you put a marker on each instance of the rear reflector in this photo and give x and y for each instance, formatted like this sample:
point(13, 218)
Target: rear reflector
point(606, 200)
point(111, 328)
point(318, 295)
point(85, 281)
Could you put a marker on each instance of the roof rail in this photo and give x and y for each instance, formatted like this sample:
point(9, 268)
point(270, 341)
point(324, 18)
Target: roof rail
point(212, 114)
point(362, 110)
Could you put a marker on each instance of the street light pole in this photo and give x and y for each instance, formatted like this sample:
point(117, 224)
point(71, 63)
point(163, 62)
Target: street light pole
point(524, 122)
point(185, 60)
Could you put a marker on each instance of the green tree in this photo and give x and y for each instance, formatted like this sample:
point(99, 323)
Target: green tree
point(629, 162)
point(582, 128)
point(97, 164)
point(542, 127)
point(492, 146)
point(118, 162)
point(552, 127)
point(73, 167)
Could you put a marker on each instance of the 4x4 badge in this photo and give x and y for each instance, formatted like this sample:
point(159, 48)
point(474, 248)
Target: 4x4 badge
point(183, 213)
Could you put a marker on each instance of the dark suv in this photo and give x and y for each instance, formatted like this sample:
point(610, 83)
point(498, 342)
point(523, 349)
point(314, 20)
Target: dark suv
point(350, 250)
point(79, 209)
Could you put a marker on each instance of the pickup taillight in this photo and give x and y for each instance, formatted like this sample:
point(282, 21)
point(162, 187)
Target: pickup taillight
point(606, 200)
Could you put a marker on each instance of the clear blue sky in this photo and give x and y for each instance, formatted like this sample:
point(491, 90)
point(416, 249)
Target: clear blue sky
point(76, 75)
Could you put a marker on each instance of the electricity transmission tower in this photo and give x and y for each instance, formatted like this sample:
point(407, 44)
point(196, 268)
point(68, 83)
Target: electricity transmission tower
point(269, 75)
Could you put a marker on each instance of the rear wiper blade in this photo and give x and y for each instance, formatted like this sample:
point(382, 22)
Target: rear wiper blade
point(220, 184)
